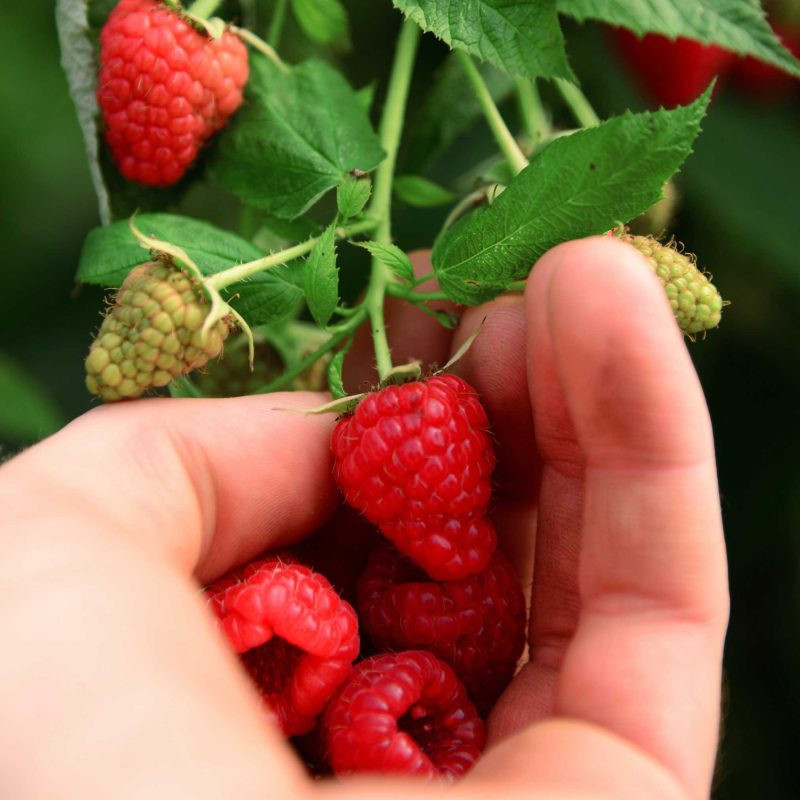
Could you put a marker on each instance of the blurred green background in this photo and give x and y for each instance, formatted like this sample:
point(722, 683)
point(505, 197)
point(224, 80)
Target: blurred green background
point(739, 213)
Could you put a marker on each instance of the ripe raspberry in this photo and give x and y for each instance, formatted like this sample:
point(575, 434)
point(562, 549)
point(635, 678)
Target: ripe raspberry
point(403, 713)
point(476, 625)
point(152, 334)
point(674, 72)
point(416, 460)
point(297, 638)
point(694, 299)
point(763, 81)
point(164, 88)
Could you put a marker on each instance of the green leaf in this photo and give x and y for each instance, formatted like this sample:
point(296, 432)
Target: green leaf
point(299, 134)
point(579, 185)
point(110, 252)
point(391, 256)
point(521, 38)
point(321, 278)
point(27, 413)
point(335, 379)
point(78, 61)
point(352, 195)
point(738, 25)
point(323, 21)
point(415, 190)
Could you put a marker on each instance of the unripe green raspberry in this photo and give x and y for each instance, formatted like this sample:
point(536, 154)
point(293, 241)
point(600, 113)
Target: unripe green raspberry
point(695, 301)
point(151, 334)
point(231, 375)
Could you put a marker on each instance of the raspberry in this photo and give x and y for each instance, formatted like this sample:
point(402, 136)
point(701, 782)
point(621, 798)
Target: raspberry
point(674, 72)
point(297, 638)
point(416, 460)
point(403, 713)
point(476, 624)
point(695, 301)
point(152, 334)
point(231, 376)
point(164, 88)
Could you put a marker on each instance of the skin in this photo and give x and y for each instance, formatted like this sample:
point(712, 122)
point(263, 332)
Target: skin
point(116, 683)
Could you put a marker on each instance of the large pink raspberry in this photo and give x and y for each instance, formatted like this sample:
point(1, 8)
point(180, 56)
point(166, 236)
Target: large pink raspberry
point(296, 637)
point(403, 713)
point(476, 624)
point(164, 89)
point(417, 460)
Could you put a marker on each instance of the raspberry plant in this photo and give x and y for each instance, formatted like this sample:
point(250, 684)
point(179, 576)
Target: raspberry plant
point(304, 170)
point(167, 80)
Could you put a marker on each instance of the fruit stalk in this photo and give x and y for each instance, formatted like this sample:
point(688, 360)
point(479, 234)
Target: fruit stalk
point(223, 279)
point(505, 139)
point(390, 131)
point(580, 107)
point(534, 117)
point(276, 23)
point(203, 8)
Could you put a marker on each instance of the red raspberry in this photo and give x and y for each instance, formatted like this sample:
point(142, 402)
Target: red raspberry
point(674, 72)
point(416, 460)
point(763, 81)
point(297, 638)
point(164, 88)
point(403, 713)
point(476, 624)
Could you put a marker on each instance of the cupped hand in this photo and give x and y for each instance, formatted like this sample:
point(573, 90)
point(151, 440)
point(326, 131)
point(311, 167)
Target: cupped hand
point(117, 685)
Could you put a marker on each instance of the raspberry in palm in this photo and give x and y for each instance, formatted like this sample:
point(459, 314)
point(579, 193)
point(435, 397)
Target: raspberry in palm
point(417, 459)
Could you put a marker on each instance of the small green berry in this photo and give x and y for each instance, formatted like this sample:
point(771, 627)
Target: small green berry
point(695, 301)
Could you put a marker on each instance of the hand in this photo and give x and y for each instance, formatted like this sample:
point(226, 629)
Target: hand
point(116, 684)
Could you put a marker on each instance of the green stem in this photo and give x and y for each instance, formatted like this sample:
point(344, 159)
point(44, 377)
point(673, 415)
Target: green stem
point(580, 107)
point(241, 271)
point(508, 144)
point(203, 8)
point(391, 129)
point(284, 380)
point(276, 24)
point(259, 44)
point(534, 117)
point(407, 293)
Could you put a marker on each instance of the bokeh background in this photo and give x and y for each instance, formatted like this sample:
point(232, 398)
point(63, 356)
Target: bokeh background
point(738, 212)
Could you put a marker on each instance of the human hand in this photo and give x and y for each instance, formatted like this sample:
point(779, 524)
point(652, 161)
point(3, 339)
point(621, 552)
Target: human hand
point(117, 684)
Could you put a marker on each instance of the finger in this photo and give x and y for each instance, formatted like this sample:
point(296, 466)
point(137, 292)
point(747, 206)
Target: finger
point(412, 333)
point(645, 661)
point(209, 483)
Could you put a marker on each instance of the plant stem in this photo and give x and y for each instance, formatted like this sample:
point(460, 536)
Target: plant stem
point(580, 107)
point(534, 117)
point(276, 24)
point(408, 293)
point(508, 144)
point(259, 44)
point(391, 128)
point(241, 271)
point(287, 377)
point(203, 8)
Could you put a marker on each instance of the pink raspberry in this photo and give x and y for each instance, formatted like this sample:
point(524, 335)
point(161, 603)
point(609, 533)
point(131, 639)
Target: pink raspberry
point(164, 88)
point(417, 460)
point(297, 638)
point(403, 713)
point(476, 624)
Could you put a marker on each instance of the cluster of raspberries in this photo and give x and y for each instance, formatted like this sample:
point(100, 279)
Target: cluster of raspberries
point(440, 620)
